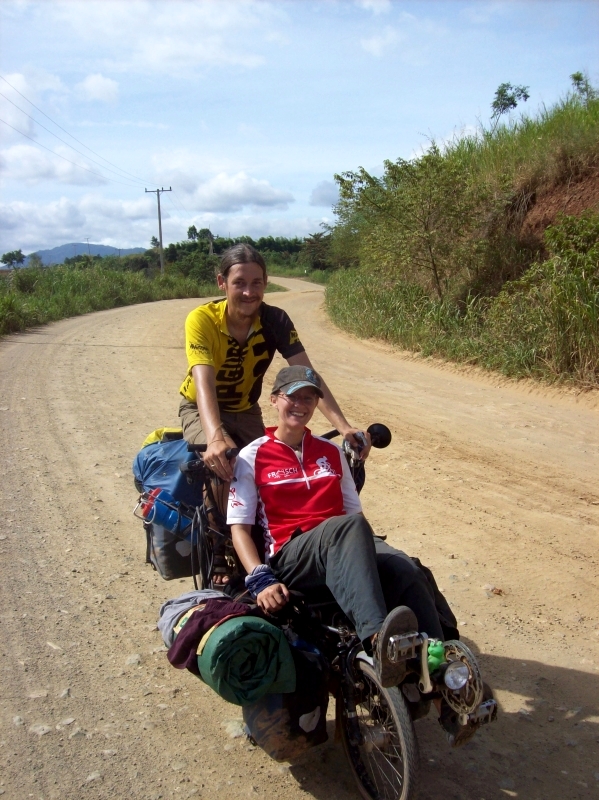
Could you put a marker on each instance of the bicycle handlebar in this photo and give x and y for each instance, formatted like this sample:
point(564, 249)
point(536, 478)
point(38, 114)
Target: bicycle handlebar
point(198, 463)
point(380, 435)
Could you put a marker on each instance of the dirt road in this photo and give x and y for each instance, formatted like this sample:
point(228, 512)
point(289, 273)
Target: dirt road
point(494, 485)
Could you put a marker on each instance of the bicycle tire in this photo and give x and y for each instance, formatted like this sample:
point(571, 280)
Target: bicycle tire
point(385, 766)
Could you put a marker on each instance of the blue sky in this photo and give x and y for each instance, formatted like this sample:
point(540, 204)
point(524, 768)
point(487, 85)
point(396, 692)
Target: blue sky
point(248, 108)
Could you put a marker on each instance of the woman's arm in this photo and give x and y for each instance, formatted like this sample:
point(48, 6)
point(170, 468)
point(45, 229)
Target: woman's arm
point(272, 598)
point(330, 408)
point(205, 382)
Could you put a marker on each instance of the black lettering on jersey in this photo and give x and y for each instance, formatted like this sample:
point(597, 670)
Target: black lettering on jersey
point(259, 348)
point(227, 394)
point(261, 366)
point(232, 374)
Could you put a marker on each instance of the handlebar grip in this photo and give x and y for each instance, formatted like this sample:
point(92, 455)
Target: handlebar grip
point(230, 452)
point(198, 463)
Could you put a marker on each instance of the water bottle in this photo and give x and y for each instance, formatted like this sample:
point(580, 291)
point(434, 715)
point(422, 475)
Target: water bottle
point(161, 508)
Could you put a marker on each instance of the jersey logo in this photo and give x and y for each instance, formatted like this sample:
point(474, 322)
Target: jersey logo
point(233, 501)
point(324, 467)
point(285, 472)
point(293, 337)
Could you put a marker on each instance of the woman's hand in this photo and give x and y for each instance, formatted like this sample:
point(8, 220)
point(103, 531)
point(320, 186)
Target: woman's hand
point(273, 598)
point(215, 458)
point(358, 443)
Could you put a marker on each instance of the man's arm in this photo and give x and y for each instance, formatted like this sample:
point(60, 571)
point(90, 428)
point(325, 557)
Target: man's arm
point(205, 382)
point(330, 408)
point(274, 597)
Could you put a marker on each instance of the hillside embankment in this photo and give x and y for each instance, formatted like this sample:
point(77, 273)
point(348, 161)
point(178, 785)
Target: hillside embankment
point(483, 251)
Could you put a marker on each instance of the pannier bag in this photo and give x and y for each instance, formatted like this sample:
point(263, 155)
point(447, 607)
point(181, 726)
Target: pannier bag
point(156, 466)
point(285, 725)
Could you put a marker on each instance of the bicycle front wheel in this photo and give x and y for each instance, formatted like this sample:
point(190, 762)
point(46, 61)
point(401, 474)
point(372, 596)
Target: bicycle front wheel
point(385, 765)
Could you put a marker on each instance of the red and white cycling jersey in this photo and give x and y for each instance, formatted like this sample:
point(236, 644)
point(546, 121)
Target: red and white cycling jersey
point(289, 489)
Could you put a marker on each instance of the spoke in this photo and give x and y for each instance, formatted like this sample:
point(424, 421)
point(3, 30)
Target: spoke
point(375, 714)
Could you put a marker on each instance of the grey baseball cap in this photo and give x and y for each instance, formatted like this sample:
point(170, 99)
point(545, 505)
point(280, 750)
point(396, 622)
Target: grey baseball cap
point(290, 379)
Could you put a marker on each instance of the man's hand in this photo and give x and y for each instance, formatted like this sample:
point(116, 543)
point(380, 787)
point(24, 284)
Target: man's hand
point(273, 598)
point(216, 460)
point(357, 443)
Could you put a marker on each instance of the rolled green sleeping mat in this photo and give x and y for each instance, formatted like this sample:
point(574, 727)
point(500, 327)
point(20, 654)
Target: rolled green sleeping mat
point(246, 658)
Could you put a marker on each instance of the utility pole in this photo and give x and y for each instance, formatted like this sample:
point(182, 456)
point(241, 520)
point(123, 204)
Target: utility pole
point(87, 240)
point(151, 191)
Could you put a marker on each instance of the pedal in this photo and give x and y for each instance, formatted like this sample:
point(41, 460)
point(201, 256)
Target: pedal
point(403, 646)
point(485, 713)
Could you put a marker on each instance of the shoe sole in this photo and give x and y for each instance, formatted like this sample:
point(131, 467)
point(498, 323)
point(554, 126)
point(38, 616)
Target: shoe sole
point(399, 621)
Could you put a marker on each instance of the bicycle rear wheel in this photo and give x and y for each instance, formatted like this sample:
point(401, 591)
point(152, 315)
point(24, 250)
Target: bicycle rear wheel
point(385, 766)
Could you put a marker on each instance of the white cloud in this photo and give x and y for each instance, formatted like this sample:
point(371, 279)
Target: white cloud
point(376, 6)
point(31, 165)
point(378, 44)
point(213, 186)
point(325, 193)
point(97, 87)
point(173, 37)
point(231, 193)
point(36, 226)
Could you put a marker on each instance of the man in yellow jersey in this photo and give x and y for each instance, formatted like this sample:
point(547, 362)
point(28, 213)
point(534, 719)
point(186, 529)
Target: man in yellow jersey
point(230, 344)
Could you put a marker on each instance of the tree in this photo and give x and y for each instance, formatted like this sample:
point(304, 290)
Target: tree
point(506, 99)
point(35, 261)
point(192, 233)
point(582, 87)
point(154, 242)
point(12, 258)
point(206, 233)
point(418, 221)
point(315, 251)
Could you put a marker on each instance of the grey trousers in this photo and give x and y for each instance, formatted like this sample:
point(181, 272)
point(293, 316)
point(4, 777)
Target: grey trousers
point(366, 576)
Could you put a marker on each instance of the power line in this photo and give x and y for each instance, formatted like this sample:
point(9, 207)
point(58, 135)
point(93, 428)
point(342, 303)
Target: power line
point(70, 134)
point(62, 140)
point(180, 202)
point(91, 171)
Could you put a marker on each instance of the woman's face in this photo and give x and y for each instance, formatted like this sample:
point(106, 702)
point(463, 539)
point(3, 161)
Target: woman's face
point(244, 289)
point(295, 410)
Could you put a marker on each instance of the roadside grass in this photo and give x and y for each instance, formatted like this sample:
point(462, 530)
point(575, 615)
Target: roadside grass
point(543, 326)
point(37, 295)
point(313, 275)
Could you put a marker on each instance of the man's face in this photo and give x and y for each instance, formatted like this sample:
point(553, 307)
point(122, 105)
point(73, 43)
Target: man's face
point(244, 289)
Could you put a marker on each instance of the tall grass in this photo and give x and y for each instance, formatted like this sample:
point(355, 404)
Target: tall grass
point(545, 325)
point(37, 295)
point(559, 143)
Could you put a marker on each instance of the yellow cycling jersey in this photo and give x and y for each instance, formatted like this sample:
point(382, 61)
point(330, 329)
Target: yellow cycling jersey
point(239, 368)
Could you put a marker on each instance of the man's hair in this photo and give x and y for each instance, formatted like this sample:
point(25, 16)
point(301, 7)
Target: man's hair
point(240, 254)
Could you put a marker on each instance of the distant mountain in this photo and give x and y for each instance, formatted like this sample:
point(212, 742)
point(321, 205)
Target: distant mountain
point(58, 254)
